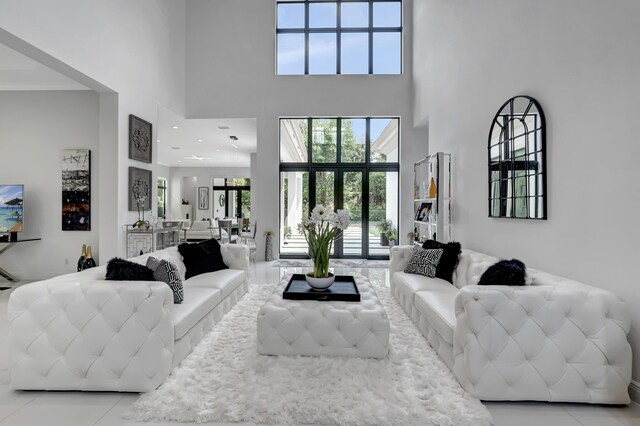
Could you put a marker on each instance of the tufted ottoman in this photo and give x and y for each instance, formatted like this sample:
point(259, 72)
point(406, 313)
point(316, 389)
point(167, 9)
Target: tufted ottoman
point(307, 327)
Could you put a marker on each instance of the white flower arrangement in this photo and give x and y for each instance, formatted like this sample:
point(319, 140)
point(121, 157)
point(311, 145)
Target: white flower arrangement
point(320, 230)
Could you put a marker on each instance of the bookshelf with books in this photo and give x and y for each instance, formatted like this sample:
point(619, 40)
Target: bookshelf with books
point(432, 198)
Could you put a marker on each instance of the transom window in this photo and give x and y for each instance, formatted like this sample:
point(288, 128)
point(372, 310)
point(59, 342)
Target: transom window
point(339, 37)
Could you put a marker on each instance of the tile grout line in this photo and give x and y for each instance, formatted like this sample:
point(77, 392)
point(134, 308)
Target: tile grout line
point(109, 410)
point(19, 408)
point(569, 413)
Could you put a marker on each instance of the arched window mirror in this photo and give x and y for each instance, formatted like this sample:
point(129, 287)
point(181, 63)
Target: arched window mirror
point(517, 176)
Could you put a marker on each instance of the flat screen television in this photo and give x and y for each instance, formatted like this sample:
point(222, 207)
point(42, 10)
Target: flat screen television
point(11, 208)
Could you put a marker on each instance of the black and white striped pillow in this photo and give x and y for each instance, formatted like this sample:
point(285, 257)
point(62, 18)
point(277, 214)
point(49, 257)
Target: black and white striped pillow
point(424, 261)
point(168, 273)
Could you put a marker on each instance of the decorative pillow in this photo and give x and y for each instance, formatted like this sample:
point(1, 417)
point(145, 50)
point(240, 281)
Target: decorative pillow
point(505, 272)
point(168, 273)
point(449, 259)
point(123, 270)
point(424, 262)
point(212, 247)
point(200, 258)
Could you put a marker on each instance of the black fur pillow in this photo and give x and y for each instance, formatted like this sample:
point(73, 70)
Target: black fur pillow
point(448, 260)
point(201, 258)
point(505, 272)
point(124, 270)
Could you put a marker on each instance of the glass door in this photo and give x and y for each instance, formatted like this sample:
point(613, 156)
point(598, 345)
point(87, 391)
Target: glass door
point(350, 198)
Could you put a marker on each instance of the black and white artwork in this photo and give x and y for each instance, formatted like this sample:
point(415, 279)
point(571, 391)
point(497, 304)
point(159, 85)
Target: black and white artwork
point(76, 190)
point(140, 145)
point(203, 198)
point(139, 189)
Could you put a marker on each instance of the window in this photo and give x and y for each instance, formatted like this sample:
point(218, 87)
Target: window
point(343, 163)
point(162, 198)
point(231, 197)
point(339, 37)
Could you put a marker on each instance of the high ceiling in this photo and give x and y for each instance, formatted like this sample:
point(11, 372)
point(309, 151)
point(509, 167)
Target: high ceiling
point(18, 72)
point(202, 142)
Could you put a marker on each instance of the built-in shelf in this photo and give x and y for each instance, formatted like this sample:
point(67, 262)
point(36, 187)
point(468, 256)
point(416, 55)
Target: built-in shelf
point(432, 175)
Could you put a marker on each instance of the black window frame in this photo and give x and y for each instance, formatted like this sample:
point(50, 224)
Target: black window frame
point(338, 168)
point(164, 198)
point(370, 29)
point(229, 187)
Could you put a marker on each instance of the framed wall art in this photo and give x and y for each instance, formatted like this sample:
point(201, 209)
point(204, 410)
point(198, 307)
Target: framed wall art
point(76, 190)
point(140, 134)
point(139, 189)
point(203, 198)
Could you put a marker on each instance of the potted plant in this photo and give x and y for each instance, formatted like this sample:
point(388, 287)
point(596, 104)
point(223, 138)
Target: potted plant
point(319, 230)
point(392, 236)
point(287, 233)
point(384, 227)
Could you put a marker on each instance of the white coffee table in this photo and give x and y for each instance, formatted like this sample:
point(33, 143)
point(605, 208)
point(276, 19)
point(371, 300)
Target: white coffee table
point(307, 327)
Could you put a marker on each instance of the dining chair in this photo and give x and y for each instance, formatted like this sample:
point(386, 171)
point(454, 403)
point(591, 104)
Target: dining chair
point(243, 224)
point(226, 225)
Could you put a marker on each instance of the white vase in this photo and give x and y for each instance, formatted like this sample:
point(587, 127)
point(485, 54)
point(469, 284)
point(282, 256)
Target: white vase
point(320, 283)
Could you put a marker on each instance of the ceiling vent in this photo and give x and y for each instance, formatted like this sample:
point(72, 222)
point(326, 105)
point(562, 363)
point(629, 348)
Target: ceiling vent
point(223, 127)
point(233, 138)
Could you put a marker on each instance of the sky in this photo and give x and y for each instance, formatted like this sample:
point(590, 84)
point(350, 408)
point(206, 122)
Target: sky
point(8, 193)
point(354, 46)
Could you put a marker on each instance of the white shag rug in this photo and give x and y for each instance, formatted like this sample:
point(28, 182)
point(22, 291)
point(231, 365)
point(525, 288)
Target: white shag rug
point(225, 380)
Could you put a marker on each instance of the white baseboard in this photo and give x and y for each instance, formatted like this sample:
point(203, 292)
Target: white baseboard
point(634, 391)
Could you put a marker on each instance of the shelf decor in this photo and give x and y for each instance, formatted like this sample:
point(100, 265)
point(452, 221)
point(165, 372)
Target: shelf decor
point(432, 211)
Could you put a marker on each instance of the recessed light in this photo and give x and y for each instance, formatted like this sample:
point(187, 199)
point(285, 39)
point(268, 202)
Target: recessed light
point(175, 147)
point(233, 138)
point(199, 140)
point(223, 127)
point(175, 127)
point(158, 140)
point(217, 150)
point(179, 161)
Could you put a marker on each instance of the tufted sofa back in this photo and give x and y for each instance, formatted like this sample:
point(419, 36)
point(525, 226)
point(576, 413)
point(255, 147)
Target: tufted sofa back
point(471, 266)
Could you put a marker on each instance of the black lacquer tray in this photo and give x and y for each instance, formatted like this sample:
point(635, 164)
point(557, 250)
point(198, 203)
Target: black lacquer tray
point(344, 289)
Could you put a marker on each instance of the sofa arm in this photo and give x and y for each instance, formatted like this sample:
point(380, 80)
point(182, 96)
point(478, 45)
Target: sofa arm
point(398, 258)
point(236, 256)
point(90, 335)
point(543, 343)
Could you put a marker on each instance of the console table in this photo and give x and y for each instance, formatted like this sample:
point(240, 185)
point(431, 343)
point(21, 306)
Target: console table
point(150, 239)
point(6, 245)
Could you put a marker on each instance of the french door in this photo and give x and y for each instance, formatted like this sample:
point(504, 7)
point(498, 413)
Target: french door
point(369, 194)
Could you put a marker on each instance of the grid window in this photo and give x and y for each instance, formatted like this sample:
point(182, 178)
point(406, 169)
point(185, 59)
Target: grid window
point(339, 37)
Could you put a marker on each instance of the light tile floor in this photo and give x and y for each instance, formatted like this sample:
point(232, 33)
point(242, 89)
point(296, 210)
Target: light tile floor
point(102, 408)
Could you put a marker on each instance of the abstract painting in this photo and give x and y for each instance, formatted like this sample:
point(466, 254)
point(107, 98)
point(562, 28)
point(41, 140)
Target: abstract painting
point(140, 134)
point(139, 189)
point(76, 190)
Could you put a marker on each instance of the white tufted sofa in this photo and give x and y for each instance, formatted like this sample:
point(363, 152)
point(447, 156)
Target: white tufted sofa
point(80, 332)
point(553, 340)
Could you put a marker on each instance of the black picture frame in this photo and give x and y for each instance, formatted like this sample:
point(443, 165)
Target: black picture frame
point(140, 184)
point(422, 214)
point(140, 139)
point(203, 198)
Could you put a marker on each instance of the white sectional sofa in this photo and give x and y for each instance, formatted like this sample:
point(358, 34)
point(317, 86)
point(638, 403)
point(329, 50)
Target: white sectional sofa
point(552, 340)
point(80, 332)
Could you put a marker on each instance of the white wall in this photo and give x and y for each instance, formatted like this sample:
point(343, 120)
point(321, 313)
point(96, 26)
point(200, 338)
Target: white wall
point(231, 73)
point(34, 129)
point(579, 59)
point(135, 48)
point(185, 181)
